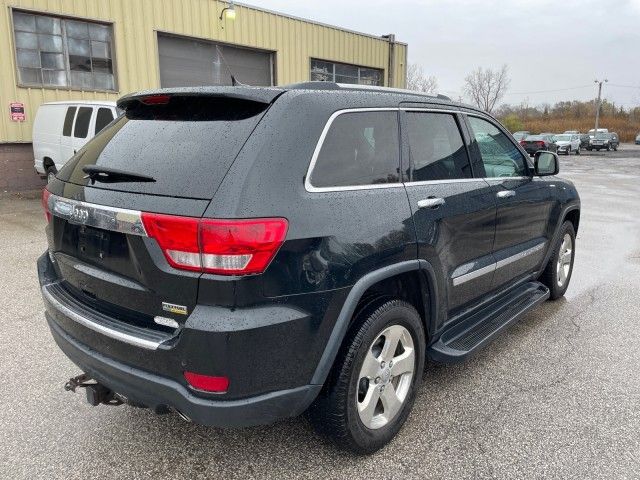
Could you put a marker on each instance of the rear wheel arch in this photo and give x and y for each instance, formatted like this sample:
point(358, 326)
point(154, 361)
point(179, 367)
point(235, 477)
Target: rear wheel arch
point(369, 290)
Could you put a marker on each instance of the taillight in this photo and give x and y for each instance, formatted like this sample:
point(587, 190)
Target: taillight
point(225, 247)
point(207, 383)
point(540, 143)
point(45, 204)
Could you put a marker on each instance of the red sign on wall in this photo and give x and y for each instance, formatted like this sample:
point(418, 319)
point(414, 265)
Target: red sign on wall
point(16, 110)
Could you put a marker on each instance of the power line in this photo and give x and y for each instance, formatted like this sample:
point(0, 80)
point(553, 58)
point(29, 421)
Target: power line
point(624, 86)
point(550, 91)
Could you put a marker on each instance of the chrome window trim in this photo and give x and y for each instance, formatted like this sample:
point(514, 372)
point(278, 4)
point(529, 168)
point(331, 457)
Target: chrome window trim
point(316, 152)
point(504, 179)
point(96, 327)
point(460, 279)
point(346, 188)
point(99, 216)
point(444, 181)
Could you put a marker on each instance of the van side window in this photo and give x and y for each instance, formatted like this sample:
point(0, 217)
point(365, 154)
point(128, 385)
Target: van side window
point(82, 122)
point(360, 148)
point(500, 157)
point(436, 149)
point(103, 118)
point(68, 121)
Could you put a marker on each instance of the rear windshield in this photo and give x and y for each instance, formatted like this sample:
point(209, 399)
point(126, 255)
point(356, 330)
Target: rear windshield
point(186, 146)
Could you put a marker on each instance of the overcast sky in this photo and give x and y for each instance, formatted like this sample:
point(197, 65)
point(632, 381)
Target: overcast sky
point(548, 45)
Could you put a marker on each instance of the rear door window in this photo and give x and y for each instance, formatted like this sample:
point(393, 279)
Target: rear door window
point(436, 149)
point(360, 148)
point(103, 118)
point(68, 121)
point(500, 156)
point(81, 128)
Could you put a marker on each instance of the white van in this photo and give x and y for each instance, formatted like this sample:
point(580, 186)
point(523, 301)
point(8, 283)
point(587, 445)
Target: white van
point(62, 128)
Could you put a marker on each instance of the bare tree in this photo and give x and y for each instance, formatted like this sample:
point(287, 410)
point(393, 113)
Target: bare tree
point(486, 87)
point(416, 80)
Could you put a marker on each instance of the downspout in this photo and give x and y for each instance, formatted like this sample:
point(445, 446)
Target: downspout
point(391, 38)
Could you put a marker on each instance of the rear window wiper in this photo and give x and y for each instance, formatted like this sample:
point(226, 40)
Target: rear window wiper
point(113, 175)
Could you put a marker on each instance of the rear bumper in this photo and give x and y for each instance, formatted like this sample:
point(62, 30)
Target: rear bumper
point(156, 392)
point(269, 355)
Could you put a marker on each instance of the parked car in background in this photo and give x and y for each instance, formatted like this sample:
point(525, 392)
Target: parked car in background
point(567, 143)
point(61, 129)
point(584, 140)
point(614, 141)
point(233, 291)
point(638, 139)
point(601, 141)
point(592, 132)
point(521, 134)
point(535, 143)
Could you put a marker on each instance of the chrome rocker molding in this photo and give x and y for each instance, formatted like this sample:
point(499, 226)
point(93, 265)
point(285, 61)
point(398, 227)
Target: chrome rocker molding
point(460, 279)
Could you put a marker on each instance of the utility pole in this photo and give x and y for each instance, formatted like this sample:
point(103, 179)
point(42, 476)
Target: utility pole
point(599, 82)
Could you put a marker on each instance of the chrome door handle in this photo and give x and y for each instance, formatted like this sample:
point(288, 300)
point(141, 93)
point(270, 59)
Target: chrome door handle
point(430, 202)
point(506, 193)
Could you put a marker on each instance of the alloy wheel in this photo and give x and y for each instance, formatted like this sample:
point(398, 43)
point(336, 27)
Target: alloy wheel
point(565, 255)
point(385, 377)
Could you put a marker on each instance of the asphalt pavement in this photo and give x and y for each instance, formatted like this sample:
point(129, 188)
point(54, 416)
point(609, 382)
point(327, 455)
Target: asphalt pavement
point(556, 396)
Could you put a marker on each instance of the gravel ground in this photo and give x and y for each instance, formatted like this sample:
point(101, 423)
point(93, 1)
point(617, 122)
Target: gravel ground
point(557, 396)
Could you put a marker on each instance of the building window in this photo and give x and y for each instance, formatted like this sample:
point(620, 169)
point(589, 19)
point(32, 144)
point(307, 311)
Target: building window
point(324, 71)
point(59, 52)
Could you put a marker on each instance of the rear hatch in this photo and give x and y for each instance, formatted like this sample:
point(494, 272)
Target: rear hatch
point(167, 154)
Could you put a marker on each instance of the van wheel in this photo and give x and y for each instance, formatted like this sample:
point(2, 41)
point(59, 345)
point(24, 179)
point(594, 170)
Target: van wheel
point(372, 387)
point(557, 273)
point(51, 173)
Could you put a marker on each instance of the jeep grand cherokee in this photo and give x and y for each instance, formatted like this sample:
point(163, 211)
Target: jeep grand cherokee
point(239, 255)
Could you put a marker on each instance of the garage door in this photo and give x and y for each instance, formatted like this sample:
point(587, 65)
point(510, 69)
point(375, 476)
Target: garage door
point(186, 62)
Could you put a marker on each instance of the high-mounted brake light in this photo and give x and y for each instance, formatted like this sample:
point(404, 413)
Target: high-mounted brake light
point(45, 204)
point(225, 247)
point(207, 383)
point(156, 99)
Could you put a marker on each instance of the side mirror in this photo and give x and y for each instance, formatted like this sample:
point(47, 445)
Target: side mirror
point(546, 163)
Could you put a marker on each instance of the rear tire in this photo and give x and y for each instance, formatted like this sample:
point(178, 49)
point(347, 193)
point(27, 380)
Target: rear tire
point(557, 274)
point(354, 410)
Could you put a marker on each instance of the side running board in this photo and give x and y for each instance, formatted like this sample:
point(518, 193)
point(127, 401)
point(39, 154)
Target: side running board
point(462, 339)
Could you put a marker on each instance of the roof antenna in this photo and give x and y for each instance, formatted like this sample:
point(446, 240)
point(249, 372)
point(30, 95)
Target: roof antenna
point(234, 82)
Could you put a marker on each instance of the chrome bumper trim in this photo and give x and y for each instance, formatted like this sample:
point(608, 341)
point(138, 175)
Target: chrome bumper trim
point(96, 327)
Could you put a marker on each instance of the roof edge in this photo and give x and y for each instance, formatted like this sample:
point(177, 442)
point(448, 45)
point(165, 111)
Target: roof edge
point(315, 22)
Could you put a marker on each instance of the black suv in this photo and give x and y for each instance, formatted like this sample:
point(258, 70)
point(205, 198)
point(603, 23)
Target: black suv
point(240, 255)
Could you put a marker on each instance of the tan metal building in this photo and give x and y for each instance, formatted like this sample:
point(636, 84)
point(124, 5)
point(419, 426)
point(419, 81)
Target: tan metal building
point(56, 50)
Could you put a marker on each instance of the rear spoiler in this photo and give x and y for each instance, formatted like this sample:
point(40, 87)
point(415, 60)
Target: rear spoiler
point(262, 95)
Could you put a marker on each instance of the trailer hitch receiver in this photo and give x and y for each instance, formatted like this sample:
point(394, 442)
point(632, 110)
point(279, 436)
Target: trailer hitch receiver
point(96, 392)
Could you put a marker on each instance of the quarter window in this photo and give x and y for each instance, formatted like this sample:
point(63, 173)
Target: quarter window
point(82, 122)
point(360, 148)
point(436, 149)
point(58, 52)
point(500, 157)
